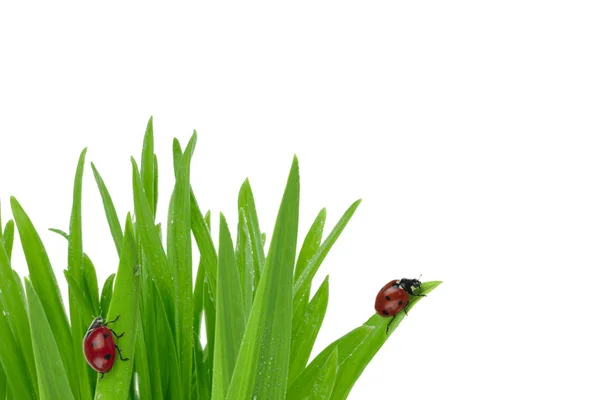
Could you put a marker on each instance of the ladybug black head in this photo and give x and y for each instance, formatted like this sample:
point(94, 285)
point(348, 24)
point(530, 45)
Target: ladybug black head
point(96, 323)
point(410, 285)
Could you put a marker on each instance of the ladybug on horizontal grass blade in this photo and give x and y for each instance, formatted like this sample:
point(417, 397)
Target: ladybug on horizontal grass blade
point(99, 345)
point(395, 297)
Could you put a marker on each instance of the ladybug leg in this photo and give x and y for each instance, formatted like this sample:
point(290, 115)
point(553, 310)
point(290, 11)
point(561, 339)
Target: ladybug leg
point(110, 322)
point(115, 333)
point(388, 325)
point(120, 355)
point(102, 375)
point(405, 307)
point(420, 295)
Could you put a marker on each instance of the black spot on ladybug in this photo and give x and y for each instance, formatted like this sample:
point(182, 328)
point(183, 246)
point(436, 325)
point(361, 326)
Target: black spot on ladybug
point(387, 297)
point(107, 356)
point(400, 303)
point(105, 335)
point(385, 312)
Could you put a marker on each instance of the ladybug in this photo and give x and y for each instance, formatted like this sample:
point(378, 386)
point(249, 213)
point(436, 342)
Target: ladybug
point(99, 345)
point(395, 297)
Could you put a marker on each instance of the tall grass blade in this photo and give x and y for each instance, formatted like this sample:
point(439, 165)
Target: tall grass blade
point(11, 359)
point(230, 315)
point(246, 202)
point(75, 268)
point(124, 306)
point(110, 211)
point(304, 279)
point(45, 284)
point(262, 366)
point(52, 379)
point(14, 308)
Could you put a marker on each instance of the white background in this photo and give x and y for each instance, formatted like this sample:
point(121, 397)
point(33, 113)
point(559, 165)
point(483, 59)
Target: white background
point(469, 128)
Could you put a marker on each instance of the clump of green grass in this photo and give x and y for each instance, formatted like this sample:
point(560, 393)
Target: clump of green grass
point(260, 321)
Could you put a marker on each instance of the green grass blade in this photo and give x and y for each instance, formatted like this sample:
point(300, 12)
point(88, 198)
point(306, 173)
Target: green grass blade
point(75, 268)
point(177, 155)
point(155, 184)
point(346, 346)
point(147, 164)
point(60, 232)
point(53, 381)
point(3, 387)
point(168, 355)
point(305, 278)
point(311, 244)
point(11, 359)
point(110, 211)
point(14, 305)
point(106, 297)
point(319, 384)
point(230, 315)
point(8, 237)
point(262, 366)
point(45, 284)
point(246, 202)
point(210, 316)
point(180, 257)
point(201, 231)
point(141, 362)
point(90, 281)
point(305, 332)
point(352, 367)
point(84, 306)
point(155, 258)
point(124, 305)
point(245, 262)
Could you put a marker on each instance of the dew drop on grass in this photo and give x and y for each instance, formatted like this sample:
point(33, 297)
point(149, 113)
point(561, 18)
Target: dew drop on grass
point(254, 397)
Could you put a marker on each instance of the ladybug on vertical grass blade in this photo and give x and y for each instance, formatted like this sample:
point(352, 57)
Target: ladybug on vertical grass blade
point(99, 345)
point(394, 297)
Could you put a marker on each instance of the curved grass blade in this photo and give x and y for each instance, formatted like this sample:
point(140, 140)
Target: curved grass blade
point(52, 379)
point(230, 320)
point(305, 332)
point(60, 232)
point(45, 284)
point(11, 358)
point(201, 231)
point(14, 306)
point(106, 297)
point(308, 273)
point(346, 346)
point(351, 368)
point(8, 237)
point(124, 306)
point(262, 366)
point(319, 384)
point(246, 202)
point(110, 211)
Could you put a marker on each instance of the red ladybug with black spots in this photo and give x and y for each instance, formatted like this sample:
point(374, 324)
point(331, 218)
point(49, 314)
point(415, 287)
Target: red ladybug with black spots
point(99, 345)
point(395, 297)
